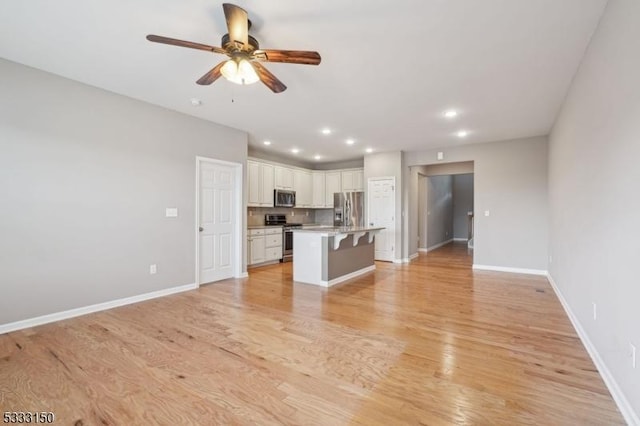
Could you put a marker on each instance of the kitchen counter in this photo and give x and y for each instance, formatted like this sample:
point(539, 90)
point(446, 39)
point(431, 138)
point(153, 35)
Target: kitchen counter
point(328, 255)
point(263, 226)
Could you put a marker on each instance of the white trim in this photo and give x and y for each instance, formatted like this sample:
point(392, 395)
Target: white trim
point(406, 259)
point(423, 250)
point(237, 231)
point(630, 416)
point(338, 280)
point(444, 243)
point(58, 316)
point(513, 270)
point(461, 239)
point(243, 275)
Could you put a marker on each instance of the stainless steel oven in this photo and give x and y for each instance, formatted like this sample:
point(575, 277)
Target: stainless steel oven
point(287, 233)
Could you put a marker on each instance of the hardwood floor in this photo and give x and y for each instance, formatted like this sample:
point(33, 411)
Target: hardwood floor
point(432, 342)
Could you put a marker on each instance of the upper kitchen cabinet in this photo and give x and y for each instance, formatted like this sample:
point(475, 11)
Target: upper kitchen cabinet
point(260, 184)
point(283, 177)
point(318, 189)
point(352, 180)
point(302, 184)
point(333, 183)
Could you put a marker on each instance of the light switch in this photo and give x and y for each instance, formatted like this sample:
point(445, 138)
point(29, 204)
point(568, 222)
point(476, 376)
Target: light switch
point(486, 212)
point(171, 212)
point(440, 155)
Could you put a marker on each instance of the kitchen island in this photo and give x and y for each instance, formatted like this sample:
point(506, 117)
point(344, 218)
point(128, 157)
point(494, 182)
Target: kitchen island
point(328, 255)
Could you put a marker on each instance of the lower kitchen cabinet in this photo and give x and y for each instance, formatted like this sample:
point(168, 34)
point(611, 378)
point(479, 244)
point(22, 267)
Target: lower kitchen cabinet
point(264, 245)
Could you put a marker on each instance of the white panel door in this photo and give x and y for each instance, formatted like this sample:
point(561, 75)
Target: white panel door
point(217, 222)
point(381, 211)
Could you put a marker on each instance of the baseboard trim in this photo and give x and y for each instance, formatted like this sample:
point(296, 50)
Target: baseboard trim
point(436, 246)
point(347, 277)
point(423, 250)
point(58, 316)
point(460, 239)
point(243, 275)
point(630, 416)
point(406, 259)
point(512, 270)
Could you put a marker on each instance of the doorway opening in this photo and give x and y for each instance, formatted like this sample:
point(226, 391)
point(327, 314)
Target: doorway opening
point(445, 206)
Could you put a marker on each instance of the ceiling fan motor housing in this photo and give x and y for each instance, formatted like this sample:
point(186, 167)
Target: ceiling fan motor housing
point(227, 43)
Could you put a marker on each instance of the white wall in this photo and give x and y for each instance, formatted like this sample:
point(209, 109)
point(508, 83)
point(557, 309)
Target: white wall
point(594, 192)
point(510, 180)
point(85, 177)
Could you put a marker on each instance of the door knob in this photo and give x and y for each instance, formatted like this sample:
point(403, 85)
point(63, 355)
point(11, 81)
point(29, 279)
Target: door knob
point(201, 229)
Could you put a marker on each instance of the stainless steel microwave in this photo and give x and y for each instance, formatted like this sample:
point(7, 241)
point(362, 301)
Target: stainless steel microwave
point(283, 198)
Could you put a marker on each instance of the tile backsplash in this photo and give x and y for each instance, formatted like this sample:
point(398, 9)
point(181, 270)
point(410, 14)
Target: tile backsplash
point(255, 215)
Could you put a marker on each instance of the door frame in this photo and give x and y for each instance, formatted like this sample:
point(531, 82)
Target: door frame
point(395, 216)
point(237, 228)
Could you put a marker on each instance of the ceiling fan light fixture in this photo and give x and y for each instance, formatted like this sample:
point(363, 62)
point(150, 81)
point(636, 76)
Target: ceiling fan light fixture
point(239, 72)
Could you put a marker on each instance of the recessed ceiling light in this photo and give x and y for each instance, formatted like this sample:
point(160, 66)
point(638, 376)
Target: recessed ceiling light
point(295, 150)
point(317, 157)
point(462, 134)
point(369, 150)
point(350, 141)
point(326, 131)
point(450, 113)
point(195, 102)
point(267, 142)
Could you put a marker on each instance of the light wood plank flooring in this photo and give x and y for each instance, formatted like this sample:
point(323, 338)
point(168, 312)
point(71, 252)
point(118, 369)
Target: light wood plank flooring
point(432, 342)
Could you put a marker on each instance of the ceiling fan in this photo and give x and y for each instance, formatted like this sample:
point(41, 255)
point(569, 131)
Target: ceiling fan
point(245, 56)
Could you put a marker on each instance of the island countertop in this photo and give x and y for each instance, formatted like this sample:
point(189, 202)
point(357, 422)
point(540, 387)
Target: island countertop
point(331, 231)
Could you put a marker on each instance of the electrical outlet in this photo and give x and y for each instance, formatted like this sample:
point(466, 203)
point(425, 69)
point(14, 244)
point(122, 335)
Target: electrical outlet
point(293, 213)
point(633, 355)
point(250, 212)
point(595, 311)
point(153, 269)
point(487, 213)
point(307, 214)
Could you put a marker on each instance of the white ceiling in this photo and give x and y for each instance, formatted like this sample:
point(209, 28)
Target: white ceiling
point(388, 71)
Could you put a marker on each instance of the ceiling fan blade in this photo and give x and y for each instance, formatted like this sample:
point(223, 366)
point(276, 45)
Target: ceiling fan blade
point(269, 80)
point(212, 75)
point(182, 43)
point(288, 56)
point(237, 23)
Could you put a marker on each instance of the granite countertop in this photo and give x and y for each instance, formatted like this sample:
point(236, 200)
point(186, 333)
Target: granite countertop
point(263, 226)
point(329, 230)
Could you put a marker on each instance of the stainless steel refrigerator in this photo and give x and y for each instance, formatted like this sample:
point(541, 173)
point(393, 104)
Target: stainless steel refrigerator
point(348, 209)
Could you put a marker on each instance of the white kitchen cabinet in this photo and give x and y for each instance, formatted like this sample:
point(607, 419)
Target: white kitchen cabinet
point(256, 246)
point(260, 184)
point(303, 186)
point(333, 183)
point(318, 199)
point(352, 180)
point(264, 245)
point(283, 177)
point(273, 243)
